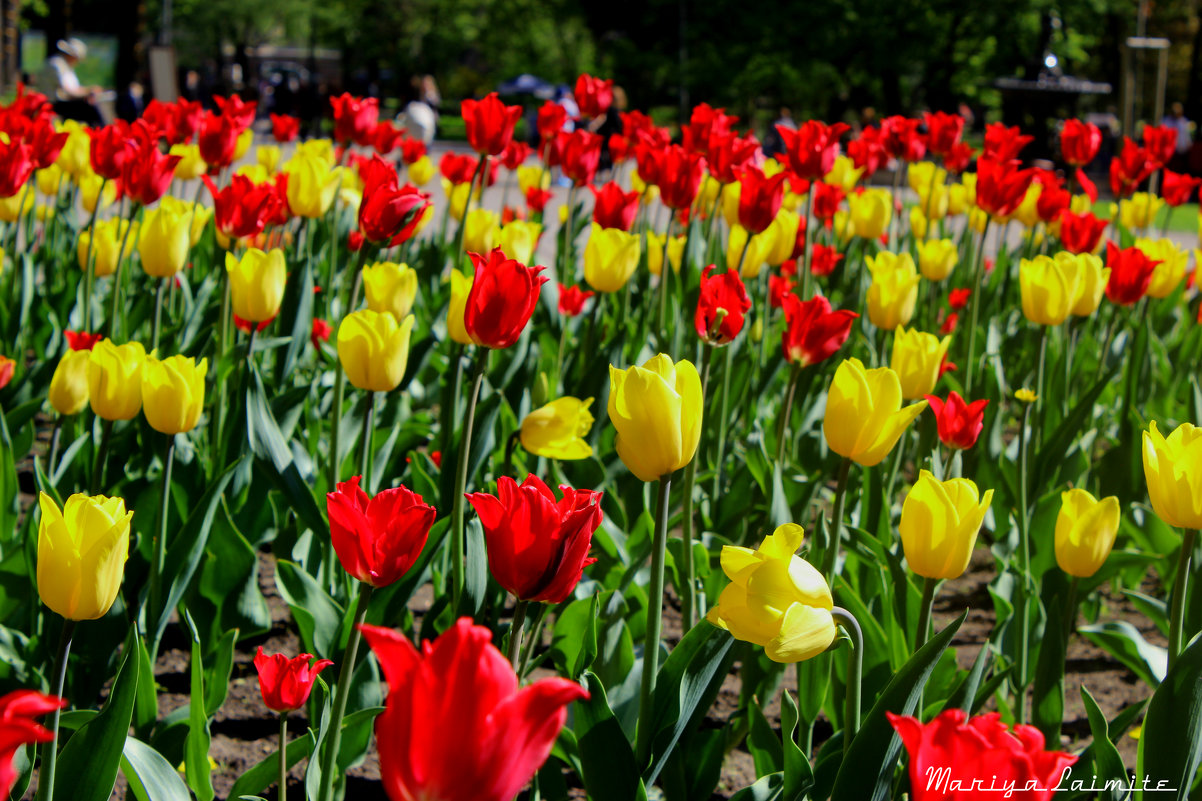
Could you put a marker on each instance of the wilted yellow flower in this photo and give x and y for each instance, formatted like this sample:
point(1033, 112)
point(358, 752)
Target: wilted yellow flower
point(917, 357)
point(81, 554)
point(374, 349)
point(939, 524)
point(557, 430)
point(1085, 532)
point(937, 258)
point(656, 409)
point(864, 417)
point(390, 287)
point(173, 393)
point(610, 258)
point(894, 289)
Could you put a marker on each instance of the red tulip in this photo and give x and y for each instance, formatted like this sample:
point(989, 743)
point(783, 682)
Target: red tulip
point(959, 423)
point(238, 110)
point(1160, 143)
point(572, 300)
point(81, 340)
point(593, 95)
point(354, 118)
point(867, 151)
point(218, 139)
point(412, 149)
point(827, 198)
point(537, 198)
point(706, 125)
point(45, 142)
point(958, 298)
point(729, 154)
point(109, 149)
point(385, 137)
point(958, 158)
point(283, 212)
point(16, 165)
point(284, 128)
point(1004, 144)
point(388, 212)
point(503, 296)
point(458, 168)
point(321, 332)
point(613, 208)
point(245, 326)
point(579, 156)
point(456, 726)
point(1129, 169)
point(1080, 233)
point(901, 138)
point(953, 758)
point(489, 124)
point(537, 546)
point(18, 728)
point(778, 287)
point(760, 198)
point(1053, 198)
point(286, 683)
point(824, 259)
point(1130, 273)
point(721, 307)
point(943, 132)
point(812, 147)
point(515, 154)
point(1178, 188)
point(551, 119)
point(148, 171)
point(1079, 142)
point(1001, 186)
point(813, 331)
point(948, 326)
point(377, 539)
point(648, 157)
point(679, 174)
point(243, 208)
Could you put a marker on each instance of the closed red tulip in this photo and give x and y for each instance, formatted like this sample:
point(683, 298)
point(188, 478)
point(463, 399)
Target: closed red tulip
point(679, 176)
point(355, 118)
point(537, 198)
point(958, 298)
point(458, 168)
point(824, 259)
point(1129, 169)
point(1079, 142)
point(722, 306)
point(148, 171)
point(16, 165)
point(613, 208)
point(284, 128)
point(286, 683)
point(812, 147)
point(515, 154)
point(456, 726)
point(1004, 144)
point(377, 539)
point(109, 149)
point(579, 152)
point(572, 300)
point(1178, 188)
point(489, 123)
point(759, 198)
point(706, 126)
point(320, 332)
point(867, 152)
point(729, 154)
point(953, 757)
point(385, 137)
point(1130, 273)
point(1160, 143)
point(1001, 186)
point(242, 112)
point(81, 340)
point(813, 331)
point(218, 139)
point(388, 212)
point(412, 149)
point(1053, 198)
point(901, 138)
point(593, 95)
point(1080, 233)
point(537, 546)
point(550, 121)
point(959, 423)
point(243, 208)
point(958, 158)
point(827, 198)
point(944, 132)
point(502, 298)
point(18, 728)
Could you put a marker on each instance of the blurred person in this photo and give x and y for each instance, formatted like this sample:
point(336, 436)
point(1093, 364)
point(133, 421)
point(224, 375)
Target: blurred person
point(608, 124)
point(72, 100)
point(773, 142)
point(1176, 120)
point(420, 115)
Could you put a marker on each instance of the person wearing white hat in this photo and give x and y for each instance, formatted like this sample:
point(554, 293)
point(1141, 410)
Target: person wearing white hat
point(72, 101)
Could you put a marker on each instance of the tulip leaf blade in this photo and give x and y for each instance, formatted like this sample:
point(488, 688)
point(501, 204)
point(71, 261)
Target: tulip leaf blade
point(766, 750)
point(1107, 763)
point(197, 771)
point(1055, 447)
point(151, 777)
point(1170, 747)
point(260, 776)
point(317, 615)
point(1123, 641)
point(877, 743)
point(767, 788)
point(92, 756)
point(607, 762)
point(799, 774)
point(298, 302)
point(1047, 703)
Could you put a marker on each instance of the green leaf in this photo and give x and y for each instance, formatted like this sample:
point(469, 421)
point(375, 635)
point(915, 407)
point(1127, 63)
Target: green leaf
point(769, 788)
point(1170, 746)
point(196, 747)
point(90, 760)
point(574, 642)
point(799, 775)
point(608, 766)
point(150, 775)
point(1124, 642)
point(762, 742)
point(217, 677)
point(317, 615)
point(475, 576)
point(259, 777)
point(867, 770)
point(1047, 703)
point(1108, 765)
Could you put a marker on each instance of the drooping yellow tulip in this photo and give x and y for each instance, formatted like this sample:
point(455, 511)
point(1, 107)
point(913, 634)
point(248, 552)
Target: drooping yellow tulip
point(937, 258)
point(775, 598)
point(870, 212)
point(374, 349)
point(480, 230)
point(68, 392)
point(864, 417)
point(1173, 472)
point(518, 238)
point(1091, 283)
point(256, 283)
point(656, 409)
point(1049, 288)
point(82, 550)
point(610, 258)
point(557, 430)
point(917, 357)
point(939, 524)
point(390, 287)
point(1139, 210)
point(461, 285)
point(163, 241)
point(115, 379)
point(312, 184)
point(173, 393)
point(894, 289)
point(1085, 532)
point(1169, 274)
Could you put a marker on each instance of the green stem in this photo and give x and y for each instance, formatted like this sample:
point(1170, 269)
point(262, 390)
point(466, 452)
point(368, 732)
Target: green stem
point(665, 271)
point(855, 666)
point(532, 640)
point(655, 610)
point(688, 595)
point(465, 446)
point(1070, 610)
point(90, 261)
point(782, 424)
point(723, 401)
point(101, 455)
point(365, 445)
point(335, 464)
point(975, 299)
point(50, 749)
point(836, 527)
point(1177, 601)
point(160, 542)
point(345, 673)
point(158, 313)
point(55, 436)
point(1040, 401)
point(116, 306)
point(924, 614)
point(283, 795)
point(515, 633)
point(806, 277)
point(1024, 648)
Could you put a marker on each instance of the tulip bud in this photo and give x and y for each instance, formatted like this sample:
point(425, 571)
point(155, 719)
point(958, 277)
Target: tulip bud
point(656, 409)
point(69, 386)
point(377, 539)
point(461, 286)
point(1085, 532)
point(937, 258)
point(557, 430)
point(610, 258)
point(374, 349)
point(256, 283)
point(480, 230)
point(542, 389)
point(1139, 210)
point(916, 360)
point(939, 524)
point(864, 417)
point(173, 393)
point(1049, 289)
point(81, 554)
point(286, 683)
point(163, 241)
point(1173, 471)
point(115, 379)
point(108, 237)
point(893, 291)
point(390, 287)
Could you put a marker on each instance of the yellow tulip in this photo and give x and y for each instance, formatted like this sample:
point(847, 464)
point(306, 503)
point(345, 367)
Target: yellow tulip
point(457, 197)
point(480, 230)
point(1167, 275)
point(43, 212)
point(841, 224)
point(531, 176)
point(461, 285)
point(268, 157)
point(1027, 212)
point(115, 379)
point(655, 252)
point(1139, 210)
point(190, 166)
point(1173, 471)
point(424, 220)
point(1080, 204)
point(707, 192)
point(637, 184)
point(82, 550)
point(163, 241)
point(656, 409)
point(316, 148)
point(109, 235)
point(977, 219)
point(958, 199)
point(757, 252)
point(844, 173)
point(90, 192)
point(256, 173)
point(350, 198)
point(256, 283)
point(312, 184)
point(197, 214)
point(1091, 283)
point(784, 236)
point(610, 258)
point(242, 147)
point(173, 393)
point(390, 287)
point(939, 524)
point(864, 417)
point(923, 174)
point(1025, 395)
point(730, 202)
point(894, 289)
point(1049, 288)
point(518, 239)
point(937, 258)
point(75, 158)
point(917, 357)
point(17, 206)
point(49, 180)
point(1085, 532)
point(934, 202)
point(918, 224)
point(557, 430)
point(775, 598)
point(421, 171)
point(870, 212)
point(69, 386)
point(374, 349)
